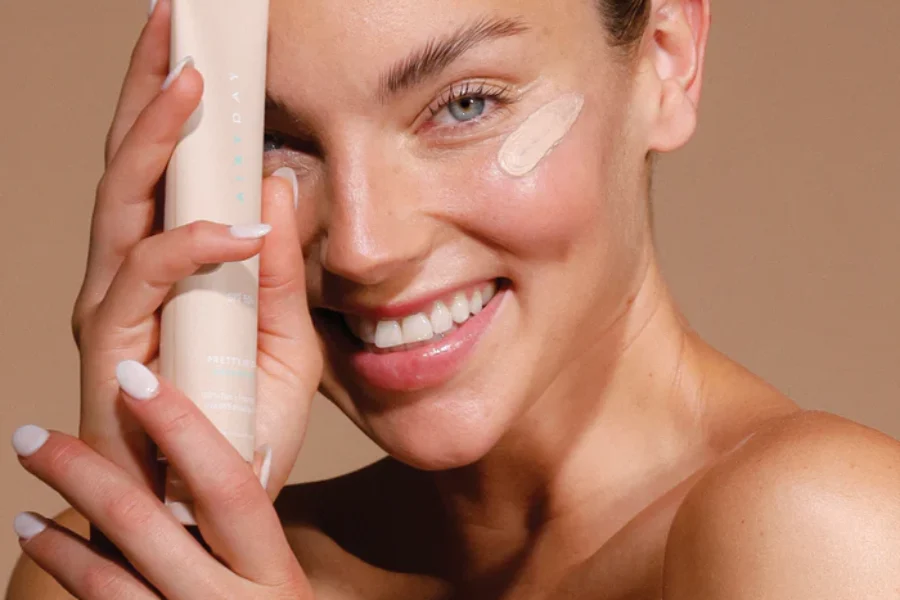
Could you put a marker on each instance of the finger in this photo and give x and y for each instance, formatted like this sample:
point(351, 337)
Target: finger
point(146, 532)
point(126, 203)
point(290, 355)
point(125, 325)
point(75, 564)
point(159, 262)
point(234, 513)
point(147, 70)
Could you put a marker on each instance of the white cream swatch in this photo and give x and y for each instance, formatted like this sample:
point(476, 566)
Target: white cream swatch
point(528, 145)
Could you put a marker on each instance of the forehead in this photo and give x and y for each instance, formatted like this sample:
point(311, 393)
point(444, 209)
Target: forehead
point(337, 35)
point(398, 16)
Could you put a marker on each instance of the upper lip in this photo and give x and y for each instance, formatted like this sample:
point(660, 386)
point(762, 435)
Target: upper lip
point(404, 308)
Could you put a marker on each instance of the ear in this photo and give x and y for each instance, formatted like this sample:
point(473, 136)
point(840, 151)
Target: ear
point(673, 54)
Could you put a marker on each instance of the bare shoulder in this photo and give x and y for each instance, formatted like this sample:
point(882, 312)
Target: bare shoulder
point(28, 581)
point(807, 508)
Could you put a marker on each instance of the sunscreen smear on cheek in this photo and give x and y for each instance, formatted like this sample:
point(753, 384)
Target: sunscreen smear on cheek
point(541, 132)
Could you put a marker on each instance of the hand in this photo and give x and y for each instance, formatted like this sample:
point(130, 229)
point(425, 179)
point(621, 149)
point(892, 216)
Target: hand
point(130, 271)
point(235, 515)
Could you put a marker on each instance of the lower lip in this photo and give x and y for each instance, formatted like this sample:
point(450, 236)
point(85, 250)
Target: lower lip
point(424, 367)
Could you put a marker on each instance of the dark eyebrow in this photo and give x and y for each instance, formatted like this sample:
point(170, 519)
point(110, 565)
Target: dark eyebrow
point(439, 53)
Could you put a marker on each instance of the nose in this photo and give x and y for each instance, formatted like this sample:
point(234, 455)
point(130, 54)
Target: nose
point(377, 227)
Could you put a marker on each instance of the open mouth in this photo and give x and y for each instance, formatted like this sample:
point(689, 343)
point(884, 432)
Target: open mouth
point(417, 330)
point(417, 350)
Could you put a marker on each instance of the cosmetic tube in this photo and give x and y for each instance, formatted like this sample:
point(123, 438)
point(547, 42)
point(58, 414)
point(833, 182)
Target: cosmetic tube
point(209, 322)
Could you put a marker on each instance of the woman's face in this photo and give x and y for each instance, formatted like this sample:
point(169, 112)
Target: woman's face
point(392, 113)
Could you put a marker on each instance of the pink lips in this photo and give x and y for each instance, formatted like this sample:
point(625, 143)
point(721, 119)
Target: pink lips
point(425, 366)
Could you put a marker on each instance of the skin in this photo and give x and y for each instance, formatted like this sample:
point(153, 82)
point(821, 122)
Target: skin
point(601, 449)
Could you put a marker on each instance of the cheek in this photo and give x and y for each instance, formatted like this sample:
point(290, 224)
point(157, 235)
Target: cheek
point(542, 214)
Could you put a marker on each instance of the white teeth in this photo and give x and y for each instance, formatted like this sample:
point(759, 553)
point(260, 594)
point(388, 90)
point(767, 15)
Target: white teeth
point(367, 331)
point(422, 327)
point(459, 310)
point(388, 334)
point(477, 302)
point(441, 319)
point(489, 291)
point(417, 328)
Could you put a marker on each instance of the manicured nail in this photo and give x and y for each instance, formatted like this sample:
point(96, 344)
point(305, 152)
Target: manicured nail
point(250, 232)
point(28, 439)
point(291, 175)
point(152, 6)
point(183, 512)
point(266, 469)
point(28, 525)
point(136, 380)
point(176, 71)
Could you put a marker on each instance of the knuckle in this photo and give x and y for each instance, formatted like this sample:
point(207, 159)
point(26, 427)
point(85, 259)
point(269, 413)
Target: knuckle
point(178, 422)
point(138, 256)
point(195, 233)
point(238, 492)
point(130, 511)
point(85, 332)
point(108, 146)
point(76, 324)
point(63, 456)
point(293, 585)
point(103, 184)
point(80, 318)
point(104, 581)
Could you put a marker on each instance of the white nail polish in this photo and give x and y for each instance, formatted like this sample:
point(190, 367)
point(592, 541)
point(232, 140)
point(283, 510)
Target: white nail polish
point(291, 175)
point(136, 380)
point(152, 6)
point(266, 469)
point(176, 71)
point(28, 439)
point(28, 525)
point(250, 232)
point(183, 512)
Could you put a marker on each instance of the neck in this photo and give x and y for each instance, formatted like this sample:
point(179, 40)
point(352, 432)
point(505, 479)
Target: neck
point(625, 422)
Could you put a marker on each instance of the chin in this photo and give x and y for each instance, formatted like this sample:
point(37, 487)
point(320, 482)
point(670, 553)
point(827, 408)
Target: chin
point(437, 435)
point(431, 430)
point(437, 405)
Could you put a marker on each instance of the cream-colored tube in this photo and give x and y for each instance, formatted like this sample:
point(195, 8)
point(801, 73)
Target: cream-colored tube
point(209, 323)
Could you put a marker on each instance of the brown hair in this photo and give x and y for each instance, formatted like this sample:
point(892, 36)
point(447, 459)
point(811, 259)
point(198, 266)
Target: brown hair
point(625, 20)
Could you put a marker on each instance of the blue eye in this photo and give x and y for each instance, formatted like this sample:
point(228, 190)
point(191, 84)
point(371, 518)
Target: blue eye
point(467, 109)
point(468, 105)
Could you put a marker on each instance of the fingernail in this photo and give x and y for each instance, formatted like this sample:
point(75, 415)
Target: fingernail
point(183, 512)
point(176, 71)
point(136, 380)
point(28, 525)
point(28, 439)
point(152, 6)
point(266, 469)
point(250, 232)
point(291, 175)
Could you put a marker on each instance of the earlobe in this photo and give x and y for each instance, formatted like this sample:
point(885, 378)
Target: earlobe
point(675, 50)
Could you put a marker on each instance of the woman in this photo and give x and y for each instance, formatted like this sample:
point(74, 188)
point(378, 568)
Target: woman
point(568, 437)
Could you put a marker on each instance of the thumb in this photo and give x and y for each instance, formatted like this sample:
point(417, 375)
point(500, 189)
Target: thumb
point(290, 358)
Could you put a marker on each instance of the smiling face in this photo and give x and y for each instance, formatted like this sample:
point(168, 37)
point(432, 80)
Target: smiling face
point(473, 289)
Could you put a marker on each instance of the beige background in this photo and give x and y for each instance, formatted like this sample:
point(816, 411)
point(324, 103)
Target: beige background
point(778, 225)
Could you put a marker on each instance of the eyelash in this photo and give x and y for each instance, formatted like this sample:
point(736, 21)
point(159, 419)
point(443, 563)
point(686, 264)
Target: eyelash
point(499, 94)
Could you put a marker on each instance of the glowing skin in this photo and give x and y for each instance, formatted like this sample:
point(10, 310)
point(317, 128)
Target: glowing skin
point(536, 138)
